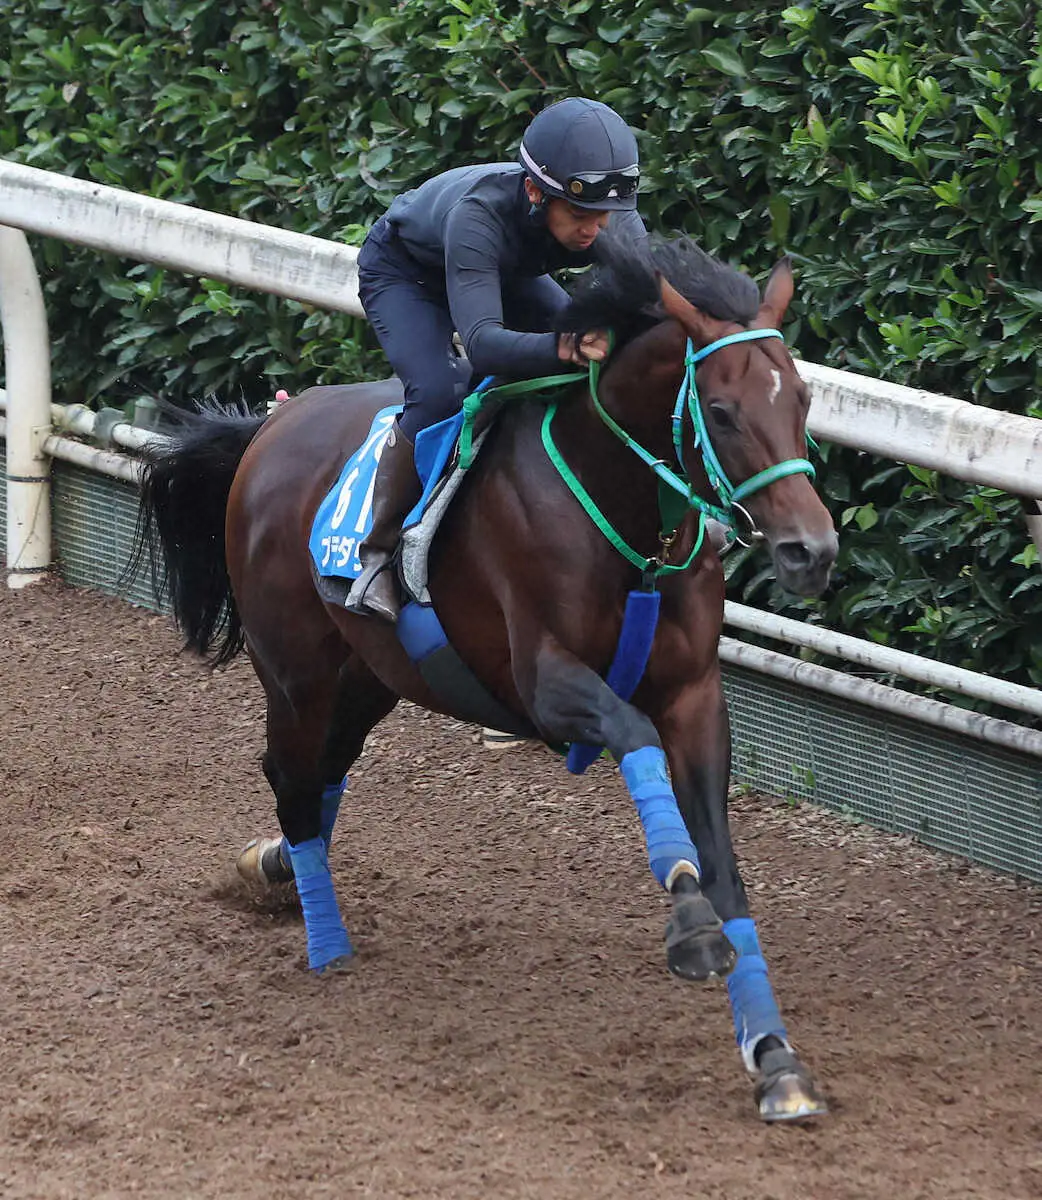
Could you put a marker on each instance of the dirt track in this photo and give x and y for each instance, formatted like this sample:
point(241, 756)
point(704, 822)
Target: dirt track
point(509, 1029)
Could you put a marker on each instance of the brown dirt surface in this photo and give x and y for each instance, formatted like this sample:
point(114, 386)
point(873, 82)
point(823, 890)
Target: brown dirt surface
point(509, 1029)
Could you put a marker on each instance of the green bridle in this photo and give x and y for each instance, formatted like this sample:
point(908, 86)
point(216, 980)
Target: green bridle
point(676, 491)
point(728, 493)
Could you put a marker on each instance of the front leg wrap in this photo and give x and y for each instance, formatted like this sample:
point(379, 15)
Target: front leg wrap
point(753, 1005)
point(670, 849)
point(327, 937)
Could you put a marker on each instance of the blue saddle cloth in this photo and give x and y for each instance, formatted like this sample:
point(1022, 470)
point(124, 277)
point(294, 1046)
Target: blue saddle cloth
point(345, 516)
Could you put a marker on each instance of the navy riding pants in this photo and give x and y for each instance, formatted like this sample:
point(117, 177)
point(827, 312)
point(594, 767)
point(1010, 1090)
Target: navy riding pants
point(408, 307)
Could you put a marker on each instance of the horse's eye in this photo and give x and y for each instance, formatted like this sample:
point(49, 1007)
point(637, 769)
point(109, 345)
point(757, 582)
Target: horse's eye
point(722, 417)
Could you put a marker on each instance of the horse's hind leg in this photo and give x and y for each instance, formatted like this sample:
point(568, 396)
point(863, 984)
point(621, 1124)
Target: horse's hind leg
point(361, 702)
point(315, 732)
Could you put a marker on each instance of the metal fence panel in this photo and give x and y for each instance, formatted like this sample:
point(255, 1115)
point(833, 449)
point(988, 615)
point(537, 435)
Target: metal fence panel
point(94, 517)
point(963, 796)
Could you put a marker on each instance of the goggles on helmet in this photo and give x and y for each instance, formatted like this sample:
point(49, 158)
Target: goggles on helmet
point(587, 187)
point(603, 185)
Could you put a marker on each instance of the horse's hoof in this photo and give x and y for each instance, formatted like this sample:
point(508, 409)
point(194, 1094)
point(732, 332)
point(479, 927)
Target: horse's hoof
point(335, 966)
point(700, 955)
point(788, 1093)
point(696, 946)
point(497, 739)
point(260, 862)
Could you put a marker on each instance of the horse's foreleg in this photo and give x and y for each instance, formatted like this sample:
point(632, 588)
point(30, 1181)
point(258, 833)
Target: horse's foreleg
point(698, 742)
point(569, 702)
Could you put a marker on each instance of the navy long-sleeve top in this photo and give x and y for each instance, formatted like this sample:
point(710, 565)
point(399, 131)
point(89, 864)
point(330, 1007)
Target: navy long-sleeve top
point(476, 227)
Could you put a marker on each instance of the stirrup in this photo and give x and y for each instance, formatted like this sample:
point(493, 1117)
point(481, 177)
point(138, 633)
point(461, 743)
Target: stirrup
point(374, 593)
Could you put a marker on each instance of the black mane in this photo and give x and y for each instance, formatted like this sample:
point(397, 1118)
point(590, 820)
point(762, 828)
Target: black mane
point(620, 291)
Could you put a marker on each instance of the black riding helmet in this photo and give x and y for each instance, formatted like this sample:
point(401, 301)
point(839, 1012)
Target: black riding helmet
point(584, 152)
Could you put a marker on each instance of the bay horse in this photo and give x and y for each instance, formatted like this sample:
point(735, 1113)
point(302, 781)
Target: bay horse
point(698, 391)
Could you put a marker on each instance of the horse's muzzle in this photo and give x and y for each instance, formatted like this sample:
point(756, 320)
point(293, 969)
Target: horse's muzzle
point(803, 567)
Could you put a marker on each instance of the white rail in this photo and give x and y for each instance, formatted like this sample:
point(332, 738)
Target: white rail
point(964, 440)
point(82, 421)
point(967, 441)
point(175, 235)
point(105, 462)
point(883, 658)
point(879, 696)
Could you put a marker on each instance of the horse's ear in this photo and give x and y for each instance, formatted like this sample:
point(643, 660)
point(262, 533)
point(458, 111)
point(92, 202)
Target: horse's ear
point(777, 295)
point(699, 325)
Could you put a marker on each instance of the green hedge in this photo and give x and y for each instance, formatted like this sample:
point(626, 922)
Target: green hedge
point(890, 146)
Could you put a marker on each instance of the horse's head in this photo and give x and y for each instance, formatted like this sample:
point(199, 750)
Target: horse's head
point(738, 428)
point(743, 414)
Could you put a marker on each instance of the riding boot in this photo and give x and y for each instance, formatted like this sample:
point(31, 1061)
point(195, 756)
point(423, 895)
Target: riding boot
point(396, 491)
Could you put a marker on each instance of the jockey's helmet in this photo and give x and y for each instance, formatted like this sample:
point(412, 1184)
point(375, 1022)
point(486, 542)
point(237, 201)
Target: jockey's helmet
point(584, 152)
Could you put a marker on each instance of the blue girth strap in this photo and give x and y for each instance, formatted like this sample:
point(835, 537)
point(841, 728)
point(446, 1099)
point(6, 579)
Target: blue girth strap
point(627, 668)
point(424, 640)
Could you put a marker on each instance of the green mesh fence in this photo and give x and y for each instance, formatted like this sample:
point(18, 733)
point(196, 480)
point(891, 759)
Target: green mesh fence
point(953, 793)
point(94, 517)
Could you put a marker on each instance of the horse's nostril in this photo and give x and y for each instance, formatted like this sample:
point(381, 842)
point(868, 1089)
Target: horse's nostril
point(794, 556)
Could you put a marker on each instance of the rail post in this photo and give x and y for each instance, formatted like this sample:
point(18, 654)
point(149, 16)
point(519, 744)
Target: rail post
point(28, 364)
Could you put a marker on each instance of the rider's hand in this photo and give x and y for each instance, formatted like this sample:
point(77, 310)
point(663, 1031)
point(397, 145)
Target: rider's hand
point(591, 347)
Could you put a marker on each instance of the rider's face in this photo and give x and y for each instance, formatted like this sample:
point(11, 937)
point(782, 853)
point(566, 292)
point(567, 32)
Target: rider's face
point(575, 228)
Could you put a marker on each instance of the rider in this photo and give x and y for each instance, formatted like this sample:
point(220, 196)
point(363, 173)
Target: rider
point(470, 251)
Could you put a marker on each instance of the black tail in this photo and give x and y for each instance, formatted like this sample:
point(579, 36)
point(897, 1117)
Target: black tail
point(184, 495)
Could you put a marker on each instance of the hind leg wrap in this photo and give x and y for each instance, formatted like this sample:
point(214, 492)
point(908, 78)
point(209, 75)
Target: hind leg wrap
point(275, 863)
point(331, 797)
point(327, 937)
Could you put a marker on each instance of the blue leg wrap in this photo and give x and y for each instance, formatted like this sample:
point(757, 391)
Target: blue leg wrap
point(327, 937)
point(647, 778)
point(753, 1005)
point(331, 797)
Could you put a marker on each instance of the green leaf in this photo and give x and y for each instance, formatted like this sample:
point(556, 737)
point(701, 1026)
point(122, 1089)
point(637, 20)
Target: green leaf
point(1032, 297)
point(724, 57)
point(376, 160)
point(866, 517)
point(611, 31)
point(583, 60)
